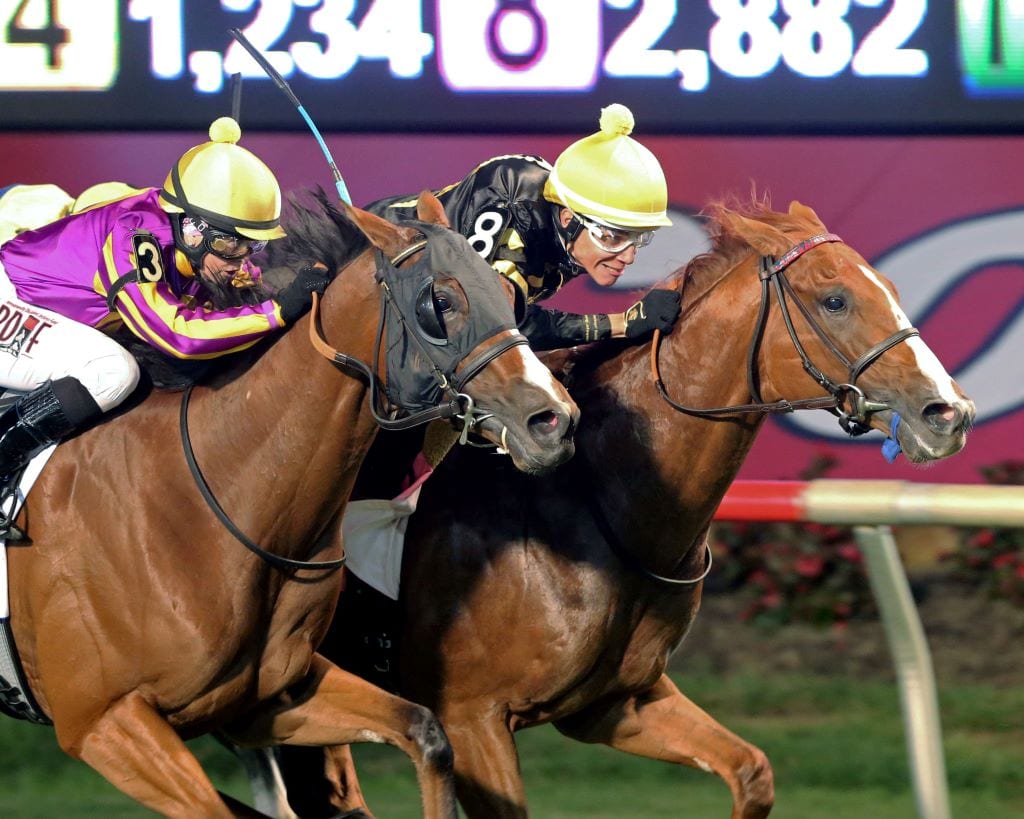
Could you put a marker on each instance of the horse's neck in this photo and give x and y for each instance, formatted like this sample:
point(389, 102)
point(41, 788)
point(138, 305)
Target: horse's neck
point(659, 473)
point(293, 429)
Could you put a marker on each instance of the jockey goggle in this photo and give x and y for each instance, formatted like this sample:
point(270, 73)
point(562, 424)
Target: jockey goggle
point(614, 239)
point(218, 242)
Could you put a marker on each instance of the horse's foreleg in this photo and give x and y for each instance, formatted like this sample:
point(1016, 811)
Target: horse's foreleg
point(322, 782)
point(137, 751)
point(333, 707)
point(268, 789)
point(664, 724)
point(487, 776)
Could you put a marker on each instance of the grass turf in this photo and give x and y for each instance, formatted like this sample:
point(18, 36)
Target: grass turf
point(836, 745)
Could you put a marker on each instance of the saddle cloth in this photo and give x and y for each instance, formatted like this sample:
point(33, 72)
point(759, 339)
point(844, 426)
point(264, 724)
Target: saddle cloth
point(374, 533)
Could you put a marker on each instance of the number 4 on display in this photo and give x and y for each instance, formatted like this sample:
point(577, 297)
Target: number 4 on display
point(58, 45)
point(51, 34)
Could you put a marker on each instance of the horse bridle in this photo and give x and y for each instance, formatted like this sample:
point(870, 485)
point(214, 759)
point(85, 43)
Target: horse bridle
point(460, 406)
point(856, 420)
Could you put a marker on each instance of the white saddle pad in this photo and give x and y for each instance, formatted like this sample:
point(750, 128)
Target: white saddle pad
point(374, 533)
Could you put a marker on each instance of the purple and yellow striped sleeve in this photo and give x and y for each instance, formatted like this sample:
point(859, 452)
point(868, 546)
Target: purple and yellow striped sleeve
point(155, 314)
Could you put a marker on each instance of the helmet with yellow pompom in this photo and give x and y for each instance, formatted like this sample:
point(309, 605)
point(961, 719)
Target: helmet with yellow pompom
point(611, 177)
point(226, 186)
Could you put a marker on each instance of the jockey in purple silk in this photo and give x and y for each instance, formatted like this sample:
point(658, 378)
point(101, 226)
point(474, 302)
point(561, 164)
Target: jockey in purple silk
point(171, 264)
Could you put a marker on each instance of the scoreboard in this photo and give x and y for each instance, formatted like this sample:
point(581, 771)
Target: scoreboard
point(683, 66)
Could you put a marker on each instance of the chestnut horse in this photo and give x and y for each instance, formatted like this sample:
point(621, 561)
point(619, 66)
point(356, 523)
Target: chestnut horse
point(559, 599)
point(141, 622)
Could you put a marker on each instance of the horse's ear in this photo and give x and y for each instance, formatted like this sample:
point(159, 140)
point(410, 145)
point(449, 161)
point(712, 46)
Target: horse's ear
point(802, 211)
point(429, 209)
point(765, 239)
point(381, 233)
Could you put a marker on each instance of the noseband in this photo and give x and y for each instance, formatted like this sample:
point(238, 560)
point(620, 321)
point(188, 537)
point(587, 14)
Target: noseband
point(856, 419)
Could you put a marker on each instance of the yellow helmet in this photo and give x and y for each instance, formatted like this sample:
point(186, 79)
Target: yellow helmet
point(225, 185)
point(611, 177)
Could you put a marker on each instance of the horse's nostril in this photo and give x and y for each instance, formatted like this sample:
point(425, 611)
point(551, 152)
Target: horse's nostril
point(943, 417)
point(547, 424)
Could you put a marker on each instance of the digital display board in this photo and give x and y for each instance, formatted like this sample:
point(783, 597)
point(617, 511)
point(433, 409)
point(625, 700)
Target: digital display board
point(683, 66)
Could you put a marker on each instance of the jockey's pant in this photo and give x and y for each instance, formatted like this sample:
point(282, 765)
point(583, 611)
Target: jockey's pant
point(38, 345)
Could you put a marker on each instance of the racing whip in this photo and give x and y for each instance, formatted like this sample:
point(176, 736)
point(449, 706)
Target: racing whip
point(279, 81)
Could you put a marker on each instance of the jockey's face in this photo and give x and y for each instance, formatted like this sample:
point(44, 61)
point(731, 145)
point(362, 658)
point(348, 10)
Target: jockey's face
point(216, 270)
point(220, 253)
point(604, 268)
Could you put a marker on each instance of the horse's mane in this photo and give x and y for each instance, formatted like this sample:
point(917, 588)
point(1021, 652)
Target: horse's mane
point(317, 232)
point(728, 248)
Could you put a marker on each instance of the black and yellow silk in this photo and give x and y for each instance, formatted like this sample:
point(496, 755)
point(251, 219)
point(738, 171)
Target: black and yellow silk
point(500, 208)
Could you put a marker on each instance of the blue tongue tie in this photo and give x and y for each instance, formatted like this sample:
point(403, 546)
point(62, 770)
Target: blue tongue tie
point(890, 446)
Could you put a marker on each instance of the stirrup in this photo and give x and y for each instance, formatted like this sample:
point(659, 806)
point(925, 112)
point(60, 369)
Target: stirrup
point(9, 530)
point(12, 533)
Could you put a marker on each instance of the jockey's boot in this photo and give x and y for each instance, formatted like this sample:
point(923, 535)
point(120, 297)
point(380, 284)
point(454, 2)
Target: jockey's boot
point(40, 418)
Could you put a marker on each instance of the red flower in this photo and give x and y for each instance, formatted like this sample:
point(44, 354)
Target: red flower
point(849, 552)
point(760, 577)
point(1003, 560)
point(809, 565)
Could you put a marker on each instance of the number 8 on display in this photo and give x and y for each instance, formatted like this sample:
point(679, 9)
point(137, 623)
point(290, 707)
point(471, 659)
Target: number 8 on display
point(541, 45)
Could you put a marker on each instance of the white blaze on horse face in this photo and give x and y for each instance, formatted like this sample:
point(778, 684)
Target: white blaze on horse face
point(537, 374)
point(927, 362)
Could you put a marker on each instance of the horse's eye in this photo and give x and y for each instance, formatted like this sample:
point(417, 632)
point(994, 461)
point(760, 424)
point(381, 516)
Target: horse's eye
point(834, 304)
point(430, 310)
point(442, 303)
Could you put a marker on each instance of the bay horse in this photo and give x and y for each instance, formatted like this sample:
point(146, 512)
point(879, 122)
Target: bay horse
point(558, 599)
point(139, 619)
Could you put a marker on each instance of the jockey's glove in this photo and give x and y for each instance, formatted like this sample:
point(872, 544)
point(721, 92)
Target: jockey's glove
point(658, 310)
point(296, 298)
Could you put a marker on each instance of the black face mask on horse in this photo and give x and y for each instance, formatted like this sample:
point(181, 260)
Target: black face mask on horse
point(429, 362)
point(415, 293)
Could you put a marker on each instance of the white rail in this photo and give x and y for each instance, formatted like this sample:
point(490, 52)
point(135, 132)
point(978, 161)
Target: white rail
point(870, 507)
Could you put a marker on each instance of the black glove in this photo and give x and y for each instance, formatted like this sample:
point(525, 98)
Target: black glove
point(296, 298)
point(658, 310)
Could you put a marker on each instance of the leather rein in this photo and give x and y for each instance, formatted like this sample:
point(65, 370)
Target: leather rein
point(771, 272)
point(460, 406)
